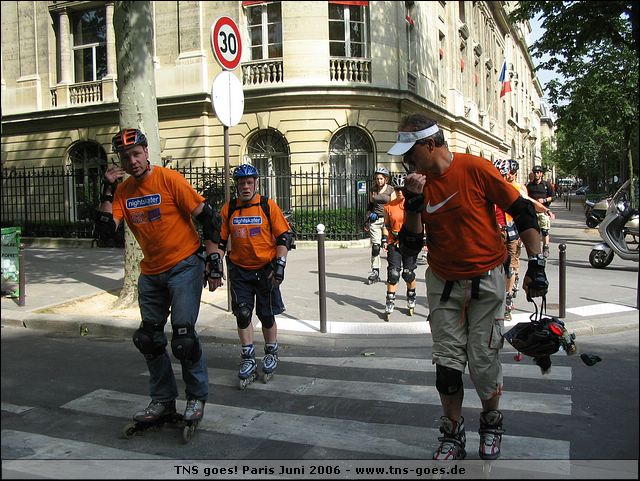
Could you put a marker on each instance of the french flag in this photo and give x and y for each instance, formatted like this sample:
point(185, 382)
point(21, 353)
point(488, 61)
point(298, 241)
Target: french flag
point(504, 81)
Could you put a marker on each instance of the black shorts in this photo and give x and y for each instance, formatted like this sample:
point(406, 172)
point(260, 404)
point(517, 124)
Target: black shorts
point(254, 288)
point(398, 261)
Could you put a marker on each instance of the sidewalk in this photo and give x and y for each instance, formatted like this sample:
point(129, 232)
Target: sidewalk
point(597, 300)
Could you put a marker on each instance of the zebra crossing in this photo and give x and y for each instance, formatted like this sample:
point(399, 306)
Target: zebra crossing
point(405, 386)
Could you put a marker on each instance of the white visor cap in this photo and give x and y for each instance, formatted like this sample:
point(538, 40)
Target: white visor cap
point(406, 140)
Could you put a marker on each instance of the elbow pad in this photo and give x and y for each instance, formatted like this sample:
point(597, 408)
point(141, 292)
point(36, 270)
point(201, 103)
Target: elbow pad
point(410, 243)
point(286, 239)
point(210, 222)
point(524, 215)
point(105, 227)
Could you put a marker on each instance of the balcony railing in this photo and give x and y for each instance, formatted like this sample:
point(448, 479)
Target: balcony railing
point(262, 72)
point(85, 93)
point(344, 69)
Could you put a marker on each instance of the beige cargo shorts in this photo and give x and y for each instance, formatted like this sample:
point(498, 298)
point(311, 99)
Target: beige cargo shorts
point(468, 331)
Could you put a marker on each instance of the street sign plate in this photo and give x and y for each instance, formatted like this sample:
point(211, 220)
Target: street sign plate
point(227, 98)
point(226, 43)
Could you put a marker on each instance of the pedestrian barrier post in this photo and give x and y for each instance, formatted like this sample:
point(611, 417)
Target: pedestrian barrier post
point(322, 282)
point(562, 281)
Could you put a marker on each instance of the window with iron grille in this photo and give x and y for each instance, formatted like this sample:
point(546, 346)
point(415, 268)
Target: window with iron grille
point(88, 161)
point(268, 151)
point(350, 152)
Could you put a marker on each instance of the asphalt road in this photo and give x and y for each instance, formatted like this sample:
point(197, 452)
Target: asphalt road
point(69, 397)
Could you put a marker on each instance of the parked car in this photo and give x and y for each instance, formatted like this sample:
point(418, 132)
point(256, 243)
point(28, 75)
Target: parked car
point(584, 190)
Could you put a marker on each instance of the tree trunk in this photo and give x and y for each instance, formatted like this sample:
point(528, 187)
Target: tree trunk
point(138, 106)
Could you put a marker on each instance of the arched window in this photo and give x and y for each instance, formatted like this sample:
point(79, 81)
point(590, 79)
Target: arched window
point(350, 151)
point(268, 151)
point(88, 163)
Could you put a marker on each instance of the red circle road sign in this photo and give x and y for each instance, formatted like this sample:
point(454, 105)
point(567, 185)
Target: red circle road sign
point(226, 43)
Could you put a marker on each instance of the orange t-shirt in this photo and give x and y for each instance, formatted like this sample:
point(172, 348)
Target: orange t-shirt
point(158, 212)
point(394, 211)
point(253, 242)
point(463, 236)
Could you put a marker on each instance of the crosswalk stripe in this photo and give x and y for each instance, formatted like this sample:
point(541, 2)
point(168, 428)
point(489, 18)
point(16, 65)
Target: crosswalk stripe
point(18, 444)
point(13, 408)
point(559, 373)
point(391, 392)
point(344, 434)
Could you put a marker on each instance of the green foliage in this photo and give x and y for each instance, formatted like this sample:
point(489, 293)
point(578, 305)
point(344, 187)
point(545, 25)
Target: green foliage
point(593, 46)
point(341, 224)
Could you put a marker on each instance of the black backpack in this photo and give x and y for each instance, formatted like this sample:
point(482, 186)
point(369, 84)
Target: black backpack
point(264, 204)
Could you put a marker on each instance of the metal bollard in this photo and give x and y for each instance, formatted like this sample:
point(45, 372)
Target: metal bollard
point(22, 283)
point(562, 281)
point(322, 280)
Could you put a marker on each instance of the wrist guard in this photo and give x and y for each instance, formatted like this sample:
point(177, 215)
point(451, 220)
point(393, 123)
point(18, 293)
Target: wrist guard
point(413, 202)
point(214, 266)
point(410, 243)
point(278, 268)
point(106, 198)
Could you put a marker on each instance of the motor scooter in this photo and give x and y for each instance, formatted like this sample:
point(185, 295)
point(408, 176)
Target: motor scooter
point(595, 212)
point(620, 222)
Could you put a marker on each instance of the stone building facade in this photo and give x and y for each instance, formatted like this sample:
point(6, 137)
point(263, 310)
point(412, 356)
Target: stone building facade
point(325, 83)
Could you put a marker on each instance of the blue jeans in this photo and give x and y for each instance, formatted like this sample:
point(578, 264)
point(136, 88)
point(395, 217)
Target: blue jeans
point(178, 291)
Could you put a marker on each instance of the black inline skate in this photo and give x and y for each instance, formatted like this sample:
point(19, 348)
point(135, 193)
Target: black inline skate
point(374, 276)
point(389, 305)
point(411, 301)
point(153, 417)
point(248, 369)
point(269, 361)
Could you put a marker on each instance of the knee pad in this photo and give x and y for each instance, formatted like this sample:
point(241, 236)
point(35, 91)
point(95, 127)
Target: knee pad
point(448, 381)
point(243, 316)
point(185, 344)
point(408, 275)
point(375, 250)
point(393, 276)
point(143, 340)
point(267, 321)
point(544, 232)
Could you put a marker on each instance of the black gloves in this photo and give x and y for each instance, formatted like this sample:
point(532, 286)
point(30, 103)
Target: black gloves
point(535, 271)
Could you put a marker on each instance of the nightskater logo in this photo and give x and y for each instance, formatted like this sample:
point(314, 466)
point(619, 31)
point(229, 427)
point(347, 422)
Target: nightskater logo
point(249, 220)
point(144, 201)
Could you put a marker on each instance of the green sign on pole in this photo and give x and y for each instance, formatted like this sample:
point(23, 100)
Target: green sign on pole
point(11, 261)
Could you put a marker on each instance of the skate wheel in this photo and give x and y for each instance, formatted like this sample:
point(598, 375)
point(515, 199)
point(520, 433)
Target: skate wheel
point(411, 311)
point(245, 382)
point(187, 432)
point(387, 316)
point(129, 431)
point(267, 377)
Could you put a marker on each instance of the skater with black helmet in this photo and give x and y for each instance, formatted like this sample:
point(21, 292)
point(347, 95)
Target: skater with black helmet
point(158, 205)
point(258, 239)
point(381, 194)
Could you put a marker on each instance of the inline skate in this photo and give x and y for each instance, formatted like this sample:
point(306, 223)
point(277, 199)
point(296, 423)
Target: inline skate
point(192, 415)
point(153, 417)
point(508, 307)
point(516, 286)
point(374, 276)
point(390, 303)
point(269, 361)
point(411, 301)
point(247, 373)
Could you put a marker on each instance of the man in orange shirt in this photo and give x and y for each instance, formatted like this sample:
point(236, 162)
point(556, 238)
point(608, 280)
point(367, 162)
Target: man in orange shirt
point(398, 264)
point(454, 196)
point(260, 242)
point(159, 206)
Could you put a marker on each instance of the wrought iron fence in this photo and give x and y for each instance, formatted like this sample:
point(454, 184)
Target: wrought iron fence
point(60, 201)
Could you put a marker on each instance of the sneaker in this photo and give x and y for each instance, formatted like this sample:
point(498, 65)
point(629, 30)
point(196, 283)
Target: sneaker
point(490, 434)
point(194, 410)
point(452, 441)
point(154, 411)
point(545, 251)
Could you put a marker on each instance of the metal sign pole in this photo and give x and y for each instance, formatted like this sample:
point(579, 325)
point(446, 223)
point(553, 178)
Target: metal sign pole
point(227, 198)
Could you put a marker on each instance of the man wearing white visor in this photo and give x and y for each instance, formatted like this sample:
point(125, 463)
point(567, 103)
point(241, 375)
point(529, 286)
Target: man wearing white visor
point(452, 197)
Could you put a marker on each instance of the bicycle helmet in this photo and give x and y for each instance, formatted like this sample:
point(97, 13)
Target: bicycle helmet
point(127, 138)
point(513, 166)
point(537, 338)
point(245, 170)
point(398, 181)
point(382, 170)
point(502, 166)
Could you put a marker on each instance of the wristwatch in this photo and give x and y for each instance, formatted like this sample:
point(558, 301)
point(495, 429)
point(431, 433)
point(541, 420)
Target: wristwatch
point(539, 259)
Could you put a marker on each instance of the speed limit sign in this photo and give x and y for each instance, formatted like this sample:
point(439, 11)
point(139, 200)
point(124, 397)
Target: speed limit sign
point(226, 43)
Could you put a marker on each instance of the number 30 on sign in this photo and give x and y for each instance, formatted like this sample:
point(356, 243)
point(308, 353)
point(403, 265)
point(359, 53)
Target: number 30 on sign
point(226, 43)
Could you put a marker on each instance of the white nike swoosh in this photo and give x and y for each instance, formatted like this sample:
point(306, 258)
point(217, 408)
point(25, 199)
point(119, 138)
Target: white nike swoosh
point(432, 208)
